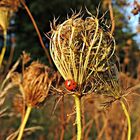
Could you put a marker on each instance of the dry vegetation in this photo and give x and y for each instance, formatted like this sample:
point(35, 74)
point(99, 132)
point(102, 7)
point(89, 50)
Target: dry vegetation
point(37, 103)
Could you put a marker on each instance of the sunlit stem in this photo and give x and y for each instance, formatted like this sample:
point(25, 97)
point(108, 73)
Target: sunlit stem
point(4, 47)
point(128, 120)
point(29, 108)
point(78, 116)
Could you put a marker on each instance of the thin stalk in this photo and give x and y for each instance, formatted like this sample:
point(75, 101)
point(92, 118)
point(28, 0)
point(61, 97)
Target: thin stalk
point(62, 120)
point(78, 116)
point(128, 120)
point(37, 31)
point(111, 17)
point(10, 59)
point(29, 108)
point(4, 47)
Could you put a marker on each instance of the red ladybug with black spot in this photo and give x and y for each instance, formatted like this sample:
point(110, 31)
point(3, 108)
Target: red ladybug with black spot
point(70, 84)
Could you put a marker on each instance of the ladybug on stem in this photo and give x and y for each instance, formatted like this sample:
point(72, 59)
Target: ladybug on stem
point(70, 84)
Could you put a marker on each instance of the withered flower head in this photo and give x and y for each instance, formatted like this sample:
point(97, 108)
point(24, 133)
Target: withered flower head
point(81, 47)
point(10, 4)
point(114, 89)
point(4, 18)
point(37, 79)
point(7, 7)
point(108, 82)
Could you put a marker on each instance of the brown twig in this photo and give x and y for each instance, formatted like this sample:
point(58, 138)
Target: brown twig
point(103, 128)
point(111, 16)
point(97, 124)
point(62, 120)
point(88, 127)
point(88, 130)
point(38, 32)
point(124, 130)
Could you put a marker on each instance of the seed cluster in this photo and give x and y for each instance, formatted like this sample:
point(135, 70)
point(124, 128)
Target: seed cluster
point(81, 48)
point(37, 79)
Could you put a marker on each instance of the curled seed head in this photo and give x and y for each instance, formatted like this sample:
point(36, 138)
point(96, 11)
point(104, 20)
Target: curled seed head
point(81, 47)
point(37, 79)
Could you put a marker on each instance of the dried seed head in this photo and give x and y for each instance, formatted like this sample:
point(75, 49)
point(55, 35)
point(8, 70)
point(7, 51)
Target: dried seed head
point(107, 81)
point(7, 7)
point(37, 80)
point(79, 47)
point(10, 4)
point(4, 18)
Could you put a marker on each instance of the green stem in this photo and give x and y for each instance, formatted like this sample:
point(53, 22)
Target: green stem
point(4, 47)
point(29, 108)
point(78, 117)
point(128, 120)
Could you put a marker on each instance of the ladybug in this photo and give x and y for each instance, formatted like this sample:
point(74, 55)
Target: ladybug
point(70, 84)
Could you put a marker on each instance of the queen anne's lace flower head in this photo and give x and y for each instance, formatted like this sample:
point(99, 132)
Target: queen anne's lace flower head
point(80, 48)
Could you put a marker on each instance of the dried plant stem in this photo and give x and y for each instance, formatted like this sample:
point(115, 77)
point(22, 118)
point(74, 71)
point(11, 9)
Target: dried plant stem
point(111, 16)
point(4, 47)
point(103, 128)
point(28, 111)
point(78, 116)
point(10, 59)
point(90, 124)
point(62, 120)
point(37, 31)
point(128, 120)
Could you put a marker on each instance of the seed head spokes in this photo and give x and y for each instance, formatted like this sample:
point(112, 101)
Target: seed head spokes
point(80, 47)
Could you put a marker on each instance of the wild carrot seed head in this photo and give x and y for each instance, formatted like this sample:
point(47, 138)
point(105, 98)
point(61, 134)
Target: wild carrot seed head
point(80, 47)
point(37, 79)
